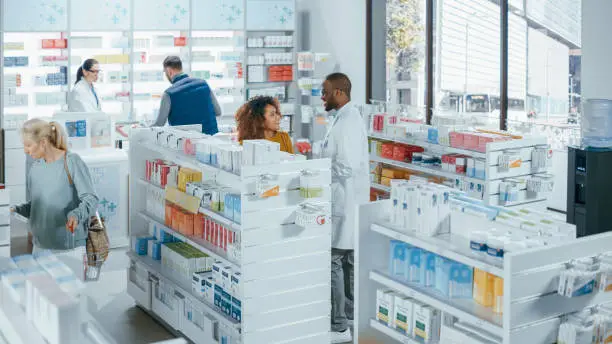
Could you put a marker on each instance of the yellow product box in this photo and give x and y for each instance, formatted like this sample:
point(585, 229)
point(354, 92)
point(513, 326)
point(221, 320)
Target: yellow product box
point(375, 178)
point(187, 175)
point(498, 295)
point(483, 288)
point(375, 168)
point(385, 181)
point(392, 173)
point(102, 59)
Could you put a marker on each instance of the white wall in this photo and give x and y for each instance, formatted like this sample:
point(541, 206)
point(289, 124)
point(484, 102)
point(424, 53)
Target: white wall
point(596, 49)
point(337, 27)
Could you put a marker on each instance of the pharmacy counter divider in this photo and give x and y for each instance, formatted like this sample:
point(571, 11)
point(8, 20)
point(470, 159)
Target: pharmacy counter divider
point(487, 189)
point(284, 268)
point(532, 309)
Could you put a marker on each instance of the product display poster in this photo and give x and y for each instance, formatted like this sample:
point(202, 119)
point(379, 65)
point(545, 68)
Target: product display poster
point(218, 15)
point(35, 15)
point(106, 183)
point(107, 15)
point(270, 15)
point(77, 134)
point(161, 14)
point(100, 133)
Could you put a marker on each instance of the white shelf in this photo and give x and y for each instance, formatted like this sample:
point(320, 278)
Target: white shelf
point(380, 187)
point(465, 309)
point(185, 285)
point(399, 337)
point(429, 146)
point(236, 227)
point(450, 246)
point(223, 177)
point(200, 243)
point(428, 170)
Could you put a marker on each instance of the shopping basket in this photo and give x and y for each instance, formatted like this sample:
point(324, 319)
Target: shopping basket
point(91, 262)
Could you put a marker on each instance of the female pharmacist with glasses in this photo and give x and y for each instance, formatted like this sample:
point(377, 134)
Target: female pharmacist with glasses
point(83, 97)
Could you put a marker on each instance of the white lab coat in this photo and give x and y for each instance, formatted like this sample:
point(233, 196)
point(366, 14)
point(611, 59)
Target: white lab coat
point(346, 144)
point(82, 99)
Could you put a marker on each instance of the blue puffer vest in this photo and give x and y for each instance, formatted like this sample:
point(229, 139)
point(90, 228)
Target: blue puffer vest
point(190, 103)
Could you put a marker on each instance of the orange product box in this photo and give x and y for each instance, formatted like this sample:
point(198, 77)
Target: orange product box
point(168, 215)
point(385, 181)
point(198, 226)
point(180, 41)
point(393, 173)
point(48, 44)
point(400, 153)
point(176, 218)
point(188, 224)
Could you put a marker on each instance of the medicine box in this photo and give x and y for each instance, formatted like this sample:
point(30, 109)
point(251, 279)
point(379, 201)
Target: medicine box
point(398, 263)
point(427, 322)
point(413, 273)
point(384, 306)
point(198, 282)
point(483, 288)
point(402, 314)
point(428, 269)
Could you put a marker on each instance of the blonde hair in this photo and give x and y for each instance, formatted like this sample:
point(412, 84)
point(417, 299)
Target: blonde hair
point(37, 130)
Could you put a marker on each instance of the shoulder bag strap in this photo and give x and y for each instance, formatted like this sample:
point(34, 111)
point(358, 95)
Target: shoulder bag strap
point(66, 168)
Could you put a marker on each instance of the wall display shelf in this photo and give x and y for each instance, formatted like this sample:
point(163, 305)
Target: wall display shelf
point(529, 281)
point(489, 178)
point(283, 268)
point(209, 36)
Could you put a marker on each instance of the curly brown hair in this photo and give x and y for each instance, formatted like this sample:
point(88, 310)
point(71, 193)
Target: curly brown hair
point(250, 117)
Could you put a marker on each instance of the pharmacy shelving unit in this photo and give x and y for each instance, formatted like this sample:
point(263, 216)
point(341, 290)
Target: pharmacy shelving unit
point(532, 309)
point(14, 158)
point(283, 23)
point(493, 174)
point(5, 223)
point(285, 268)
point(137, 35)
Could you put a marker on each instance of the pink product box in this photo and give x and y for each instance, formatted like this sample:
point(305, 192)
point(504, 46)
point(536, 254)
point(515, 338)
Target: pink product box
point(483, 139)
point(457, 139)
point(460, 164)
point(470, 141)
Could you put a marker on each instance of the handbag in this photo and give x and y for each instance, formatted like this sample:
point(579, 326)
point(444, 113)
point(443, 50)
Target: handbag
point(97, 244)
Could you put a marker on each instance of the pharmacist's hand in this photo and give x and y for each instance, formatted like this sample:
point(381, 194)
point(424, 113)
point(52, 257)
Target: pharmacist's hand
point(72, 224)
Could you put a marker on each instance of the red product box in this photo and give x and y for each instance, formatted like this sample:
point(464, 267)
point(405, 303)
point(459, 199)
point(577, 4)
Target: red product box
point(483, 139)
point(444, 159)
point(180, 41)
point(452, 162)
point(456, 139)
point(60, 43)
point(460, 164)
point(198, 225)
point(399, 153)
point(379, 123)
point(387, 150)
point(470, 141)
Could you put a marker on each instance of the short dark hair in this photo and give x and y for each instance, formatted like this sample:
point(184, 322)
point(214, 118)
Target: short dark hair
point(173, 62)
point(341, 82)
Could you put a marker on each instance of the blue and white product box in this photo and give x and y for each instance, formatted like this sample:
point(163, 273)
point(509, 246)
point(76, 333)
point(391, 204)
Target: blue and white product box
point(236, 309)
point(155, 249)
point(141, 244)
point(413, 273)
point(443, 266)
point(398, 262)
point(216, 271)
point(228, 211)
point(470, 169)
point(479, 168)
point(218, 295)
point(461, 281)
point(198, 282)
point(237, 210)
point(428, 268)
point(209, 290)
point(226, 303)
point(432, 135)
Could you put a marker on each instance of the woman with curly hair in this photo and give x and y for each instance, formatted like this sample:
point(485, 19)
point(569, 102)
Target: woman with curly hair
point(259, 119)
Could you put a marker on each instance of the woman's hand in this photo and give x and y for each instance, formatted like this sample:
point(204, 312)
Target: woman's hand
point(11, 209)
point(72, 224)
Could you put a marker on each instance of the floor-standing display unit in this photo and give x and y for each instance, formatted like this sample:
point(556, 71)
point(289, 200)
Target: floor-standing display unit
point(529, 307)
point(14, 158)
point(5, 223)
point(282, 268)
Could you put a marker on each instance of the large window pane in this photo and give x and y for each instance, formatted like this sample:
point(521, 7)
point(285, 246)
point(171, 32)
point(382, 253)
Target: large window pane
point(405, 52)
point(468, 61)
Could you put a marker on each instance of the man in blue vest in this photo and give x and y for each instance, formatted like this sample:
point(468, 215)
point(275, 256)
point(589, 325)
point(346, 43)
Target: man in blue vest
point(188, 101)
